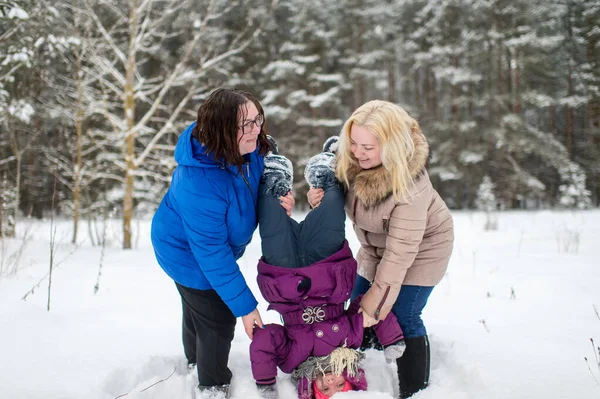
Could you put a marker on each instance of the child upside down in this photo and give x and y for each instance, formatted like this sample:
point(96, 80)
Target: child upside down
point(307, 273)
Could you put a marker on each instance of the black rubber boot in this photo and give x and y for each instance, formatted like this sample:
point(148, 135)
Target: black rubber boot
point(413, 366)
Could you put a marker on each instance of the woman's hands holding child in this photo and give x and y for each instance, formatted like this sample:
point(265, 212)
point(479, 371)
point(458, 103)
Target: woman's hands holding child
point(368, 321)
point(314, 197)
point(287, 203)
point(250, 320)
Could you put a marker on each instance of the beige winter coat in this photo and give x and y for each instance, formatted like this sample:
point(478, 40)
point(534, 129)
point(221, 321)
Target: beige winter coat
point(402, 242)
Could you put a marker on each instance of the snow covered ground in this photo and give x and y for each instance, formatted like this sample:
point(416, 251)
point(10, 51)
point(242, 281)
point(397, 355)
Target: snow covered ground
point(512, 318)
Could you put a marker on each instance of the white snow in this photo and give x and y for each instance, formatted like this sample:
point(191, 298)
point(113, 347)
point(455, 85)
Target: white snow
point(17, 13)
point(276, 112)
point(445, 173)
point(320, 122)
point(281, 68)
point(330, 95)
point(470, 157)
point(328, 77)
point(24, 55)
point(306, 59)
point(512, 318)
point(21, 110)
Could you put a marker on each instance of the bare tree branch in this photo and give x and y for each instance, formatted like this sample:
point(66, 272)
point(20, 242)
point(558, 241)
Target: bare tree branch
point(109, 40)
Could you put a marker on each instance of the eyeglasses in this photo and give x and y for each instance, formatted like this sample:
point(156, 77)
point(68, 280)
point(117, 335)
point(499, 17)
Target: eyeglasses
point(247, 125)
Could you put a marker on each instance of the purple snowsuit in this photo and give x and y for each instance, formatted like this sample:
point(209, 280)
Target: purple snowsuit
point(315, 322)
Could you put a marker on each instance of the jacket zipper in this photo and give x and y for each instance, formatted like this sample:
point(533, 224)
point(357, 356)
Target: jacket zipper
point(378, 310)
point(427, 367)
point(247, 184)
point(243, 176)
point(246, 180)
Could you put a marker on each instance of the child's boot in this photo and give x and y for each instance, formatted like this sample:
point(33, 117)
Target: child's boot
point(267, 391)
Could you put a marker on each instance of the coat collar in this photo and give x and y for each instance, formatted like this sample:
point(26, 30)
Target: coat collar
point(373, 186)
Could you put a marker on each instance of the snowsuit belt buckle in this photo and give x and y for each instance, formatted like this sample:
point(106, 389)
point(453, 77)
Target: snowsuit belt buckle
point(313, 314)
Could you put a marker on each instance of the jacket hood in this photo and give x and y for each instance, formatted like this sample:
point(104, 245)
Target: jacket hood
point(190, 152)
point(373, 186)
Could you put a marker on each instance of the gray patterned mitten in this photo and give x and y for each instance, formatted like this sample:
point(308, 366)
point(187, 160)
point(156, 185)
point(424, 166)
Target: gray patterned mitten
point(320, 170)
point(394, 351)
point(278, 175)
point(331, 144)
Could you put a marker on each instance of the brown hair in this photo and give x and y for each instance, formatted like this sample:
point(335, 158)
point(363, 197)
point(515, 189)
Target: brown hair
point(217, 125)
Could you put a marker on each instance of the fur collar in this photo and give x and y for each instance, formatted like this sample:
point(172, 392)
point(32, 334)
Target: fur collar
point(373, 186)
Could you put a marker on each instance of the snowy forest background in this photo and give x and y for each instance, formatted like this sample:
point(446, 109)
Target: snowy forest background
point(93, 93)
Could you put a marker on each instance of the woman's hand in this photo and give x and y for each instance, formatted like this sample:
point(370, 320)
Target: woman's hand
point(250, 320)
point(314, 197)
point(368, 321)
point(288, 203)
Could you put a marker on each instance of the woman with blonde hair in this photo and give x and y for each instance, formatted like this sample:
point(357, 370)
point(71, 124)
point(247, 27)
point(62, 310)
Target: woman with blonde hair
point(404, 228)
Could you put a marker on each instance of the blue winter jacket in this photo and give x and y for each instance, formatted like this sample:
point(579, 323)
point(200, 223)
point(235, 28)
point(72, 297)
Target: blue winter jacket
point(205, 221)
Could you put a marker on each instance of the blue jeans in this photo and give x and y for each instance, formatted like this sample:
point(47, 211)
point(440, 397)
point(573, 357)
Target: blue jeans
point(407, 308)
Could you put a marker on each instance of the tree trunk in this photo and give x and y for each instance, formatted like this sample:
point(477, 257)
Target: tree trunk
point(391, 81)
point(470, 99)
point(570, 116)
point(594, 113)
point(459, 195)
point(361, 92)
point(417, 85)
point(129, 110)
point(517, 73)
point(426, 91)
point(489, 86)
point(15, 210)
point(500, 66)
point(593, 104)
point(431, 95)
point(570, 90)
point(78, 150)
point(454, 108)
point(509, 81)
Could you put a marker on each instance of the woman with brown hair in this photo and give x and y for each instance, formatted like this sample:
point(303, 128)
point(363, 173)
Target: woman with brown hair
point(204, 223)
point(405, 229)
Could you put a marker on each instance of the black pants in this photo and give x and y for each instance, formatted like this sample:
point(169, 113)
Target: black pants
point(287, 243)
point(208, 328)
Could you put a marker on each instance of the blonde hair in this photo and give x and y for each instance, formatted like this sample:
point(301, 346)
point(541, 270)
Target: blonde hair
point(392, 125)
